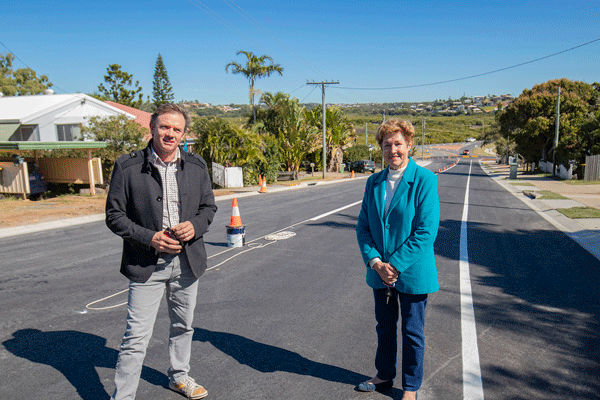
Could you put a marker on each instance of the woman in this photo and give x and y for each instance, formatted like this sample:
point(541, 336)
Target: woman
point(396, 228)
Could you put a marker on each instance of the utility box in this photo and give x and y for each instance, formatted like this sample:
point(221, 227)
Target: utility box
point(513, 171)
point(230, 177)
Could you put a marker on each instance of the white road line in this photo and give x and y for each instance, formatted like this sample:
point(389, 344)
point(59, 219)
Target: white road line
point(334, 211)
point(472, 384)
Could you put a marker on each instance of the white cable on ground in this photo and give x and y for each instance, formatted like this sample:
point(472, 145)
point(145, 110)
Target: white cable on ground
point(105, 298)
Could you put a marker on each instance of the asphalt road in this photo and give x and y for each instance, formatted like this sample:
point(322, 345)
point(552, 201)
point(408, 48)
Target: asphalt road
point(292, 318)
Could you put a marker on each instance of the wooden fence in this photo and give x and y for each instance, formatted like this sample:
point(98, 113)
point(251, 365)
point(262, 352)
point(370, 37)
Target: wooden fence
point(592, 168)
point(14, 179)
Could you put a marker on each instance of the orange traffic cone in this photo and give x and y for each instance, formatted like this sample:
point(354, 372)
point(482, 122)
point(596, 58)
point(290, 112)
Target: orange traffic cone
point(263, 185)
point(236, 220)
point(352, 175)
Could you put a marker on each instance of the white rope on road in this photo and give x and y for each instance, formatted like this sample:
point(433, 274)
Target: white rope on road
point(88, 306)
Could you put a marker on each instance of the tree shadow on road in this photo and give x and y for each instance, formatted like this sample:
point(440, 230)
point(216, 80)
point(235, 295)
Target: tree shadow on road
point(76, 355)
point(339, 225)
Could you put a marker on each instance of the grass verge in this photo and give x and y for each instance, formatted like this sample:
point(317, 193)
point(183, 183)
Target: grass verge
point(579, 212)
point(548, 195)
point(520, 183)
point(577, 182)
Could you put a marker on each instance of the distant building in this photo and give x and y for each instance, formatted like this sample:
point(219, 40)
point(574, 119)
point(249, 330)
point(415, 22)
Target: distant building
point(478, 99)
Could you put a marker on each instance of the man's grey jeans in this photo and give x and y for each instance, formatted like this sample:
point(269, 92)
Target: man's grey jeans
point(144, 299)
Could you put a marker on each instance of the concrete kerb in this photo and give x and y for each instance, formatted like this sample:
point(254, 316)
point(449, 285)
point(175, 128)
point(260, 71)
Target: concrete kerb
point(587, 238)
point(45, 226)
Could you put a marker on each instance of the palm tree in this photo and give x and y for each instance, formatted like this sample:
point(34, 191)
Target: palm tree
point(296, 137)
point(256, 67)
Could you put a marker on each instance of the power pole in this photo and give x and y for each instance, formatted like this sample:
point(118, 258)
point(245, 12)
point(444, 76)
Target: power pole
point(556, 134)
point(423, 142)
point(367, 140)
point(324, 120)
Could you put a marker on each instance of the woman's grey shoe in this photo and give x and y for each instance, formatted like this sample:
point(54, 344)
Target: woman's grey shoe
point(368, 386)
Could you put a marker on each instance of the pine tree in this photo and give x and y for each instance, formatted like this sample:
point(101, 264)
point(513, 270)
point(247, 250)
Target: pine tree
point(162, 90)
point(117, 82)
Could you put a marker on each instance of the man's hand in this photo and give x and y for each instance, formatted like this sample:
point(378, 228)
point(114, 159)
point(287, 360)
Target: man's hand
point(387, 272)
point(184, 231)
point(165, 244)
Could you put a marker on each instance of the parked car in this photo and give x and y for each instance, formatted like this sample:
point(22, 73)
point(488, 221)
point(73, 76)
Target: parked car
point(465, 152)
point(471, 139)
point(363, 166)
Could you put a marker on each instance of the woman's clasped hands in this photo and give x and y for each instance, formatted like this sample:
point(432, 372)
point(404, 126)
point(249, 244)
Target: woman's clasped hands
point(387, 272)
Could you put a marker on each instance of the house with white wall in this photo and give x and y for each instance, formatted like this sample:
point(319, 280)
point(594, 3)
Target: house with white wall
point(50, 117)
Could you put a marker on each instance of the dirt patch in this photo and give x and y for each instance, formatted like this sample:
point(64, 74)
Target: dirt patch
point(15, 212)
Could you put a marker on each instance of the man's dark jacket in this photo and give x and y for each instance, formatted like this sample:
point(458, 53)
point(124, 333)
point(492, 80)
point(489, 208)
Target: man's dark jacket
point(134, 210)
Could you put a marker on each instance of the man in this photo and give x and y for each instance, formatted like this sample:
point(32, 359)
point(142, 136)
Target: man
point(161, 203)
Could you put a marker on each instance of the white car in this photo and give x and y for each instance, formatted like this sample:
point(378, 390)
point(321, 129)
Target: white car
point(471, 139)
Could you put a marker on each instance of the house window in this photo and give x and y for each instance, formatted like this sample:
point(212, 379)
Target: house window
point(68, 133)
point(25, 133)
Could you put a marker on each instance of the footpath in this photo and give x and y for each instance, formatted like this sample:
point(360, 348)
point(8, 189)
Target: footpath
point(527, 188)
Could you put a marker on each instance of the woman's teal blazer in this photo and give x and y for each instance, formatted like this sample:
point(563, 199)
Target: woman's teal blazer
point(405, 237)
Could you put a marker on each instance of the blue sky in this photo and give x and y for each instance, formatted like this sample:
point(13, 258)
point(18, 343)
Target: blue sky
point(361, 44)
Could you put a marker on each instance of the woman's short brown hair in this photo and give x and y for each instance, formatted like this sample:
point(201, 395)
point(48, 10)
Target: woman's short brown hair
point(394, 125)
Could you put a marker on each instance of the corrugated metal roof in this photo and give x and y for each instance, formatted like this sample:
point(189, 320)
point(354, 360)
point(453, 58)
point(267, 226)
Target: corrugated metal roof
point(51, 145)
point(19, 109)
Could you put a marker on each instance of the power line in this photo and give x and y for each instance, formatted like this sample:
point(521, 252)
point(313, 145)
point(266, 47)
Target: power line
point(13, 53)
point(218, 18)
point(23, 62)
point(472, 76)
point(309, 93)
point(254, 22)
point(272, 36)
point(298, 88)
